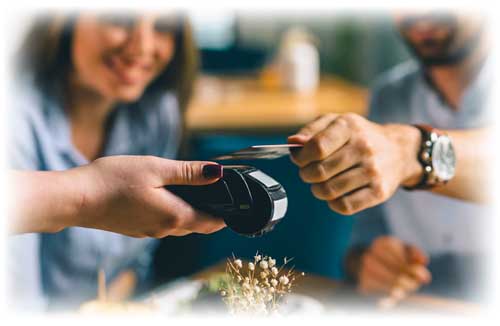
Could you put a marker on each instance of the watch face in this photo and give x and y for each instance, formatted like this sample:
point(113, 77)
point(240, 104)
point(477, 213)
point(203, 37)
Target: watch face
point(443, 158)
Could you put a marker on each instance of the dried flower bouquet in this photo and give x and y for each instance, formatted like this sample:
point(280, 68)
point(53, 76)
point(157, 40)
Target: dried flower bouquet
point(257, 287)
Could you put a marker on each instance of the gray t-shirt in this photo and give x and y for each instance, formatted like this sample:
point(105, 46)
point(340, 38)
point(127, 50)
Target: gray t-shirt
point(441, 226)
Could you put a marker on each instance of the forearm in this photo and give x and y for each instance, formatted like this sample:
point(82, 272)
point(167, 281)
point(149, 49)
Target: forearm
point(474, 150)
point(44, 201)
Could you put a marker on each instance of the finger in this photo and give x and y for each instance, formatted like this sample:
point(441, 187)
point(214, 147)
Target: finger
point(407, 283)
point(333, 165)
point(420, 273)
point(377, 270)
point(312, 128)
point(398, 293)
point(174, 172)
point(179, 215)
point(416, 256)
point(340, 185)
point(370, 285)
point(387, 303)
point(323, 144)
point(354, 202)
point(391, 251)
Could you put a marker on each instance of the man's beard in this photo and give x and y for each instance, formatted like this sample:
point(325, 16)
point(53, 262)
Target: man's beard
point(447, 57)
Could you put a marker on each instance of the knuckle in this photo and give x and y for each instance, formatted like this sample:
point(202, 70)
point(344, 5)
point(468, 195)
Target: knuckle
point(341, 205)
point(329, 115)
point(157, 234)
point(365, 146)
point(352, 120)
point(316, 172)
point(378, 189)
point(347, 206)
point(323, 191)
point(371, 169)
point(319, 147)
point(343, 121)
point(172, 223)
point(187, 170)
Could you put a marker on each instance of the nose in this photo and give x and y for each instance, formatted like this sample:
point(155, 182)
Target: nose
point(141, 40)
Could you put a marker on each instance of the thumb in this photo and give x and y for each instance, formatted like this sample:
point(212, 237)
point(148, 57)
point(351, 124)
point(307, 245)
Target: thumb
point(194, 173)
point(311, 129)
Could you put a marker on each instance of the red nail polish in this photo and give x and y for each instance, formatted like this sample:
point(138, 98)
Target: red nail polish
point(212, 171)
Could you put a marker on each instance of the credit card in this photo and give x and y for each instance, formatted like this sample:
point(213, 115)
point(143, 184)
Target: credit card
point(256, 152)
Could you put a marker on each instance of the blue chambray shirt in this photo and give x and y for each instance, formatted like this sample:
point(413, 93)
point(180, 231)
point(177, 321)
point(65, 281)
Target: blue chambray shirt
point(59, 270)
point(451, 231)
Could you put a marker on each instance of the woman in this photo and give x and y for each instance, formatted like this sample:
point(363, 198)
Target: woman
point(94, 85)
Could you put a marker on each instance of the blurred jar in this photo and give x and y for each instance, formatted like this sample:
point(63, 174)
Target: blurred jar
point(298, 61)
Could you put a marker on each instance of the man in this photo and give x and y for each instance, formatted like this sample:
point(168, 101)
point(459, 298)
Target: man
point(355, 163)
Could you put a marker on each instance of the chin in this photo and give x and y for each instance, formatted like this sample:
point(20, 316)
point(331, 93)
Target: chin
point(127, 94)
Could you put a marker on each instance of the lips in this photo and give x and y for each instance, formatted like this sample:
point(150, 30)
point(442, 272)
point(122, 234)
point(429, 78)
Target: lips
point(126, 72)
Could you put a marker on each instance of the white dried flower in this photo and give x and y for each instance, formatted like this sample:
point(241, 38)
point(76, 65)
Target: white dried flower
point(284, 280)
point(261, 293)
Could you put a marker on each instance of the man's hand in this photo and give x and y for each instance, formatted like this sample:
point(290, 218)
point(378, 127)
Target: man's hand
point(126, 194)
point(353, 163)
point(393, 268)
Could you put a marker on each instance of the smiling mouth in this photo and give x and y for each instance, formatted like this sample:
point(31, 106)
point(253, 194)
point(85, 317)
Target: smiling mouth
point(128, 73)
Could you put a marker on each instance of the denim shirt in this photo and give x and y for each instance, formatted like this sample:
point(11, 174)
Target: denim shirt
point(59, 270)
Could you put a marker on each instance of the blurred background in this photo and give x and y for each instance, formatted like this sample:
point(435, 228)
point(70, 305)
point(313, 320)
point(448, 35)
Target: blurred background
point(250, 92)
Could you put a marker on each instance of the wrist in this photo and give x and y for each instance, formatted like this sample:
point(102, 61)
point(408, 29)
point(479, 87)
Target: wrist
point(409, 140)
point(82, 202)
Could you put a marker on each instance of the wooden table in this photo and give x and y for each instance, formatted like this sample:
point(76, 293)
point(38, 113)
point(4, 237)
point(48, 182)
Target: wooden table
point(245, 104)
point(336, 295)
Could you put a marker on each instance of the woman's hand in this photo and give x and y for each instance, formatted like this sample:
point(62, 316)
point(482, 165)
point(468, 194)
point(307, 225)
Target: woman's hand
point(122, 194)
point(126, 194)
point(353, 163)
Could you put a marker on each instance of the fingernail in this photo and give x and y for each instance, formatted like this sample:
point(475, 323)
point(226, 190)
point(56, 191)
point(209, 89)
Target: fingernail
point(212, 171)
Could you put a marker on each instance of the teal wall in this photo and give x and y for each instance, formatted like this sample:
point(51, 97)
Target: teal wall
point(354, 46)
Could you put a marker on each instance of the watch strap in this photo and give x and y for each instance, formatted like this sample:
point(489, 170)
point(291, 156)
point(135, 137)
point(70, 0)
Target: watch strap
point(426, 132)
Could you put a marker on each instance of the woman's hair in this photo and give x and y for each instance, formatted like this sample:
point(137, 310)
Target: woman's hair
point(46, 54)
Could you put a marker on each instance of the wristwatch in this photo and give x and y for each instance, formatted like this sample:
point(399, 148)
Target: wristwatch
point(436, 156)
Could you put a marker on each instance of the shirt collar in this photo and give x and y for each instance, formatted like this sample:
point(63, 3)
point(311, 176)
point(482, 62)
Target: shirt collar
point(477, 85)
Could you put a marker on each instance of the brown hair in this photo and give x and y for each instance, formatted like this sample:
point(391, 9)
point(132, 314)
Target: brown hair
point(46, 53)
